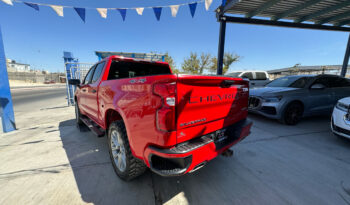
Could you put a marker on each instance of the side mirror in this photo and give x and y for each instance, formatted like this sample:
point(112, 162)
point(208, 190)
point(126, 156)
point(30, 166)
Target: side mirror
point(318, 86)
point(75, 82)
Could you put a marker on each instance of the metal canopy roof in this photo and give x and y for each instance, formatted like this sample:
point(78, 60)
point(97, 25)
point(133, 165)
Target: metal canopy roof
point(314, 14)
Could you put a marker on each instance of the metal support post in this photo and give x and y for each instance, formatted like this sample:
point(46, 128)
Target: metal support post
point(7, 117)
point(346, 59)
point(221, 46)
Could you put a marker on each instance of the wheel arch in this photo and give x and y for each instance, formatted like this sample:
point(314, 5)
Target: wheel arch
point(283, 110)
point(298, 102)
point(112, 115)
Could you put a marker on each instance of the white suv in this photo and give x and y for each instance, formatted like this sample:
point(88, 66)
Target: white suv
point(256, 78)
point(340, 122)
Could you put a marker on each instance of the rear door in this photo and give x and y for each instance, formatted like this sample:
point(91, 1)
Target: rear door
point(204, 99)
point(340, 88)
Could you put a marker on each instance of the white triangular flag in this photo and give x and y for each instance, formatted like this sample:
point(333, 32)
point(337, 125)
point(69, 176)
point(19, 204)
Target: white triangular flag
point(9, 2)
point(57, 9)
point(174, 9)
point(207, 4)
point(139, 11)
point(103, 12)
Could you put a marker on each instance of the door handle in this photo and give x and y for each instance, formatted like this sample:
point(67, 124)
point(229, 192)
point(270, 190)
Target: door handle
point(84, 90)
point(93, 91)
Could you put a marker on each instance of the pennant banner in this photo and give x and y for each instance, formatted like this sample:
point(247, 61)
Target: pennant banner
point(157, 12)
point(207, 4)
point(81, 13)
point(174, 10)
point(58, 9)
point(9, 2)
point(193, 8)
point(34, 6)
point(139, 11)
point(102, 12)
point(122, 13)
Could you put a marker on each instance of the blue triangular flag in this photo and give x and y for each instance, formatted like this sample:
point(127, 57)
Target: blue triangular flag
point(81, 13)
point(34, 6)
point(157, 12)
point(193, 7)
point(123, 13)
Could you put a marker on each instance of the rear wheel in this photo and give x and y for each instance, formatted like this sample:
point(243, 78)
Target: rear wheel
point(292, 113)
point(124, 163)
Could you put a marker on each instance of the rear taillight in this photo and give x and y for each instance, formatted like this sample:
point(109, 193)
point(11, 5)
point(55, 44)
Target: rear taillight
point(166, 113)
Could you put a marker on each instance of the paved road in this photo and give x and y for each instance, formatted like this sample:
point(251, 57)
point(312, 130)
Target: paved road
point(29, 99)
point(49, 161)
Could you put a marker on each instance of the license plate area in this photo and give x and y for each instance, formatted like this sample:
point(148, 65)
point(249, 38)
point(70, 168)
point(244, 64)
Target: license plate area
point(220, 135)
point(222, 138)
point(228, 135)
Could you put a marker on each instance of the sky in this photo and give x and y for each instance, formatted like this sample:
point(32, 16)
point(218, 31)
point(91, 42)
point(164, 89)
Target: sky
point(39, 38)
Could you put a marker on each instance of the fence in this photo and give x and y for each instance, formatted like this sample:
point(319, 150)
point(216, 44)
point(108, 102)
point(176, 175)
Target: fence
point(75, 71)
point(32, 77)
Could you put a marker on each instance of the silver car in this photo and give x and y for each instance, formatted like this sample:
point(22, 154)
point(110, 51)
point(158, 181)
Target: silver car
point(290, 98)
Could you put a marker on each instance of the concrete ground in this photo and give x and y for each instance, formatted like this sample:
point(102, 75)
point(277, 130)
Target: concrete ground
point(49, 161)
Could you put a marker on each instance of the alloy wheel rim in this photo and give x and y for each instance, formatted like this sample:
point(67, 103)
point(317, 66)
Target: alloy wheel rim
point(118, 151)
point(294, 115)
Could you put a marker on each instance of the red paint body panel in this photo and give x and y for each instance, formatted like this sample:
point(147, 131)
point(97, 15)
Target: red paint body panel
point(202, 106)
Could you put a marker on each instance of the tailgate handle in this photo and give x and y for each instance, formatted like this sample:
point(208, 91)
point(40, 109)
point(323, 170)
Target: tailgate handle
point(227, 83)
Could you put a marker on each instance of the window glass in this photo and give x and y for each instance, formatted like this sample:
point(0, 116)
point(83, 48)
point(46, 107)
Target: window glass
point(260, 76)
point(98, 71)
point(300, 83)
point(339, 82)
point(248, 75)
point(289, 81)
point(136, 69)
point(89, 75)
point(324, 81)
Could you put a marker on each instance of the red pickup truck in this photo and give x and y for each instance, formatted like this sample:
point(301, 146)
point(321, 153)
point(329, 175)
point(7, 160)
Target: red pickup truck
point(173, 124)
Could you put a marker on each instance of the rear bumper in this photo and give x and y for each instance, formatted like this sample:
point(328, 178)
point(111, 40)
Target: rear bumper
point(195, 153)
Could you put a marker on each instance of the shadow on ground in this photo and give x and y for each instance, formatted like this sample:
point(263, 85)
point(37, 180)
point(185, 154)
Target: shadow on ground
point(95, 178)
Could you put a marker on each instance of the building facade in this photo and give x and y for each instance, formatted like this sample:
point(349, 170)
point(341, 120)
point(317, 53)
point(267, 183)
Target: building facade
point(13, 66)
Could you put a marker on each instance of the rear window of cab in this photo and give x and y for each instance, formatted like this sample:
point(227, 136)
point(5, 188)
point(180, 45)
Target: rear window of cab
point(122, 69)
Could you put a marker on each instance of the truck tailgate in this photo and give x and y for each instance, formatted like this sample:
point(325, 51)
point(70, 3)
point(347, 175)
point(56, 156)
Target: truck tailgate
point(204, 99)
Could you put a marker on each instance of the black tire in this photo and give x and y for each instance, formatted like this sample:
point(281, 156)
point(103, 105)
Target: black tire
point(133, 167)
point(78, 115)
point(293, 113)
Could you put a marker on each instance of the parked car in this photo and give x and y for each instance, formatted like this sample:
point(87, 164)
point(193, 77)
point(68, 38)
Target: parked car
point(173, 124)
point(290, 98)
point(340, 122)
point(256, 78)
